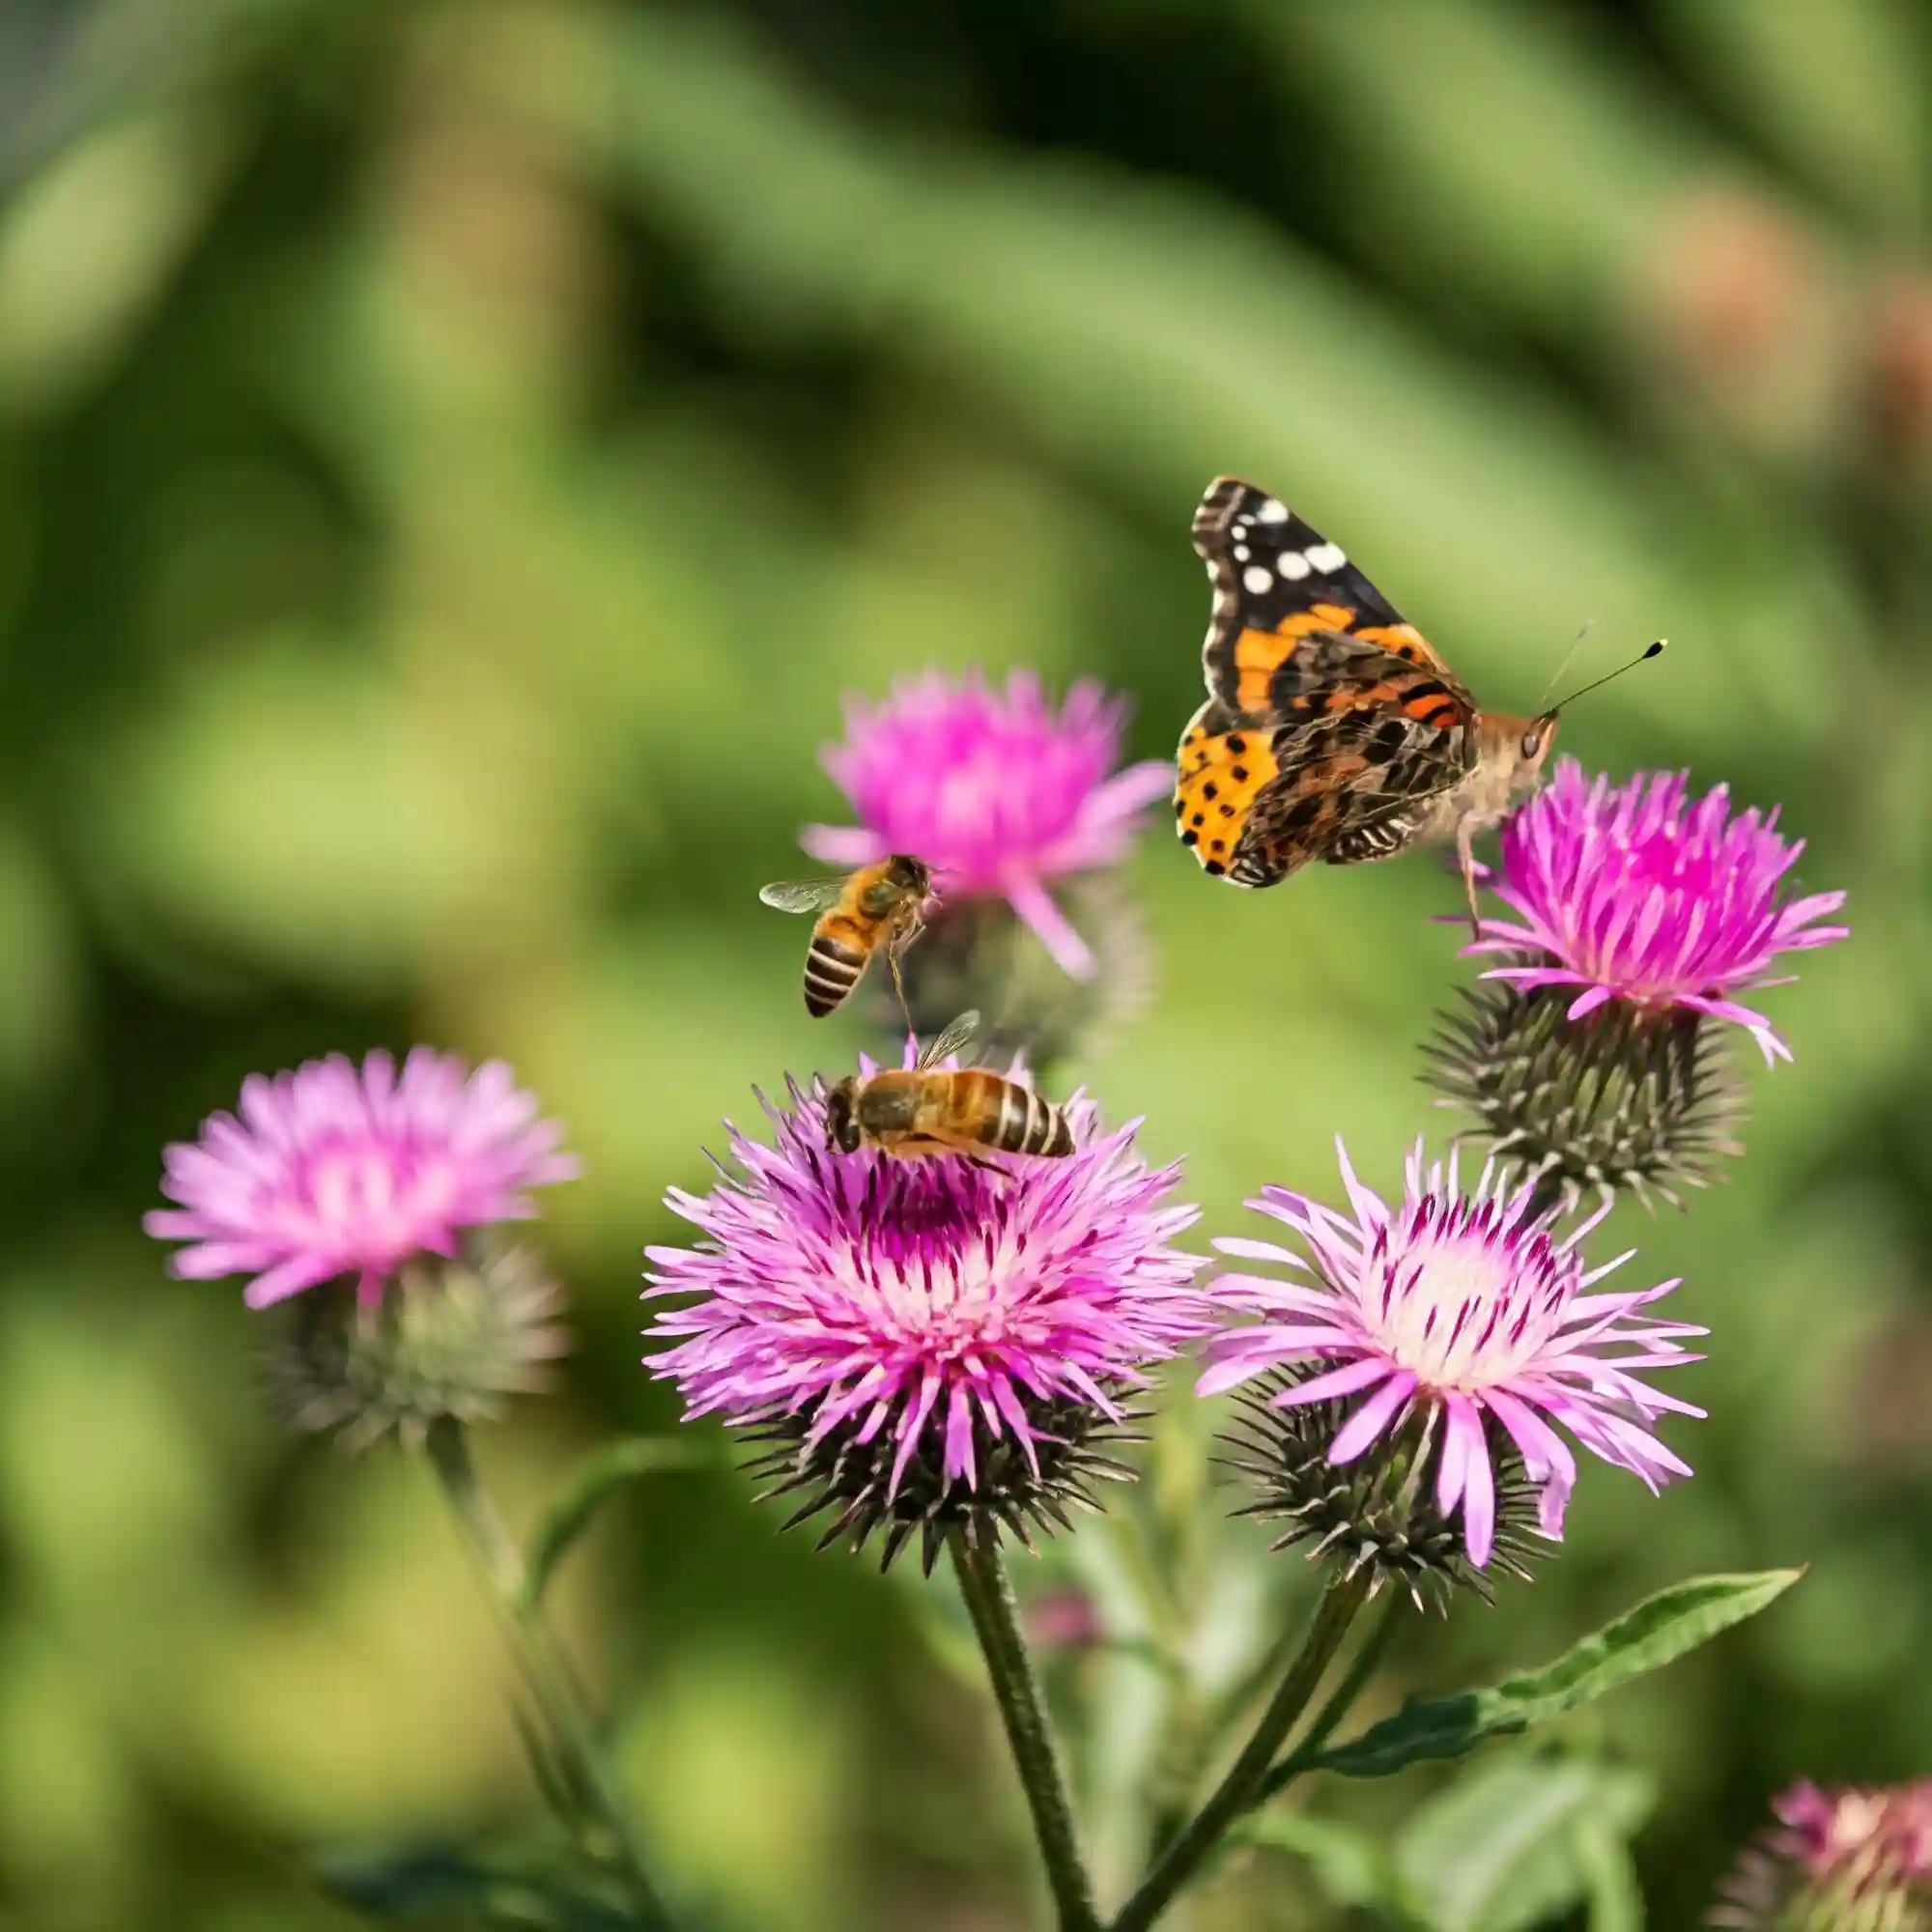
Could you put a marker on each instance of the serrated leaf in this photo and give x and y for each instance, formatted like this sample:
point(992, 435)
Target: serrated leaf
point(1352, 1866)
point(1497, 1850)
point(1657, 1632)
point(438, 1883)
point(599, 1478)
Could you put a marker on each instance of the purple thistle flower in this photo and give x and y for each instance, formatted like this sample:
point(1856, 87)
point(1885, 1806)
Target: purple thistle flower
point(337, 1170)
point(930, 1335)
point(1841, 1861)
point(1630, 892)
point(998, 793)
point(1463, 1311)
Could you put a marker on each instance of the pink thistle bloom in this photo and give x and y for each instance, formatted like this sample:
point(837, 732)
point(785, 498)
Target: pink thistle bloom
point(1855, 1860)
point(335, 1170)
point(929, 1316)
point(1467, 1312)
point(1631, 893)
point(995, 792)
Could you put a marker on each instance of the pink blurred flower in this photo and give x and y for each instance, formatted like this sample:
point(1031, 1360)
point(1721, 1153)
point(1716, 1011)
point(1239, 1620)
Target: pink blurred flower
point(1629, 893)
point(999, 793)
point(1466, 1313)
point(930, 1334)
point(336, 1169)
point(1846, 1859)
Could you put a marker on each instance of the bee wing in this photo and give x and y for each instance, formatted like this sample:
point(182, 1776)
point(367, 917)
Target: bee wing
point(950, 1041)
point(802, 895)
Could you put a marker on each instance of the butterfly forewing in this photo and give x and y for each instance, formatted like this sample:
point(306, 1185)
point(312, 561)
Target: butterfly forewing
point(1327, 711)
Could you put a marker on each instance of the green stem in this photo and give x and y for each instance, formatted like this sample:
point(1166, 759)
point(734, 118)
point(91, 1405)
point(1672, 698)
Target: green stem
point(1239, 1791)
point(989, 1602)
point(543, 1664)
point(1340, 1703)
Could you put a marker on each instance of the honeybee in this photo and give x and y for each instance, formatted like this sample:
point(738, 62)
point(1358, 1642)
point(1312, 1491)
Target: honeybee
point(877, 906)
point(931, 1109)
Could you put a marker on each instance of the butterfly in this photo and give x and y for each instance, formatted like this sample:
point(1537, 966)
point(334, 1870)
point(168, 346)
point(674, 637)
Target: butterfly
point(1332, 729)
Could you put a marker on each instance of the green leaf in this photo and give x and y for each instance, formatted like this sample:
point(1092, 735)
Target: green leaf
point(1497, 1850)
point(1352, 1868)
point(438, 1883)
point(1610, 1877)
point(1657, 1632)
point(600, 1479)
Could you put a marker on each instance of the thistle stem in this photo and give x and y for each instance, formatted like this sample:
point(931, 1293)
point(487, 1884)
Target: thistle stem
point(1340, 1701)
point(989, 1601)
point(1241, 1788)
point(545, 1669)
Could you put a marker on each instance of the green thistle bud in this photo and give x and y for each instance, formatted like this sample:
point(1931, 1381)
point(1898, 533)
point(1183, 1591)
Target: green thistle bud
point(448, 1339)
point(1625, 1100)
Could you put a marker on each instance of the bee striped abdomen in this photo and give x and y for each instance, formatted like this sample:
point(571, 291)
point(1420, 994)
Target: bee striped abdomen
point(1027, 1124)
point(832, 969)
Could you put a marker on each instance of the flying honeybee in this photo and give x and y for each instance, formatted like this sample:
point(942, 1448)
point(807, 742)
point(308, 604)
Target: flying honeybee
point(858, 913)
point(933, 1109)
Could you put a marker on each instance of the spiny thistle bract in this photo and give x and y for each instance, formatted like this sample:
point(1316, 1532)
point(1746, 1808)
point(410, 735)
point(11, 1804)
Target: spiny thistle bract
point(1621, 1100)
point(1380, 1513)
point(920, 1344)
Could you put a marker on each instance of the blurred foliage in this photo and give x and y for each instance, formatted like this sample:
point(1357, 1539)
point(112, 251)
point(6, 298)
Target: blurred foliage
point(452, 460)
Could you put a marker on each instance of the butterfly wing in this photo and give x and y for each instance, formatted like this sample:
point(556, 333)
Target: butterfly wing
point(1328, 713)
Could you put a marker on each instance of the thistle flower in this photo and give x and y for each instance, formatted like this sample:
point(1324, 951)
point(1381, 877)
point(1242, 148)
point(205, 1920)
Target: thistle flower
point(454, 1339)
point(1632, 893)
point(335, 1170)
point(1465, 1327)
point(998, 792)
point(930, 1341)
point(1842, 1860)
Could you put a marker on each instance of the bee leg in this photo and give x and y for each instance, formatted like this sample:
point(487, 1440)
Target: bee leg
point(1466, 854)
point(894, 954)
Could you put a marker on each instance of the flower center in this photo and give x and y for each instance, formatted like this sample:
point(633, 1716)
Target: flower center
point(1456, 1310)
point(933, 1252)
point(375, 1204)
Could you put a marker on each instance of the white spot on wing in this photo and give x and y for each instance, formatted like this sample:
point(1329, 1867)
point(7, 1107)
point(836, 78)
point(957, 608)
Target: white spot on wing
point(1241, 552)
point(1271, 510)
point(1292, 564)
point(1326, 558)
point(1256, 578)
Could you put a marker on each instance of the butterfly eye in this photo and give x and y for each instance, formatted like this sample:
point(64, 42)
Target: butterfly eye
point(1532, 743)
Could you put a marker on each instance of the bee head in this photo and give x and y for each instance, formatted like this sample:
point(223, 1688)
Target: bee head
point(841, 1129)
point(911, 875)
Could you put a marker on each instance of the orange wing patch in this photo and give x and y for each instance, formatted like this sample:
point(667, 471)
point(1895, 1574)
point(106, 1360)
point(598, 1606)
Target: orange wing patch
point(1260, 654)
point(1222, 773)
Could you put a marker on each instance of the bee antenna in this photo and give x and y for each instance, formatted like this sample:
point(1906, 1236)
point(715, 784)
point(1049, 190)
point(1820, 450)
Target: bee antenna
point(1648, 652)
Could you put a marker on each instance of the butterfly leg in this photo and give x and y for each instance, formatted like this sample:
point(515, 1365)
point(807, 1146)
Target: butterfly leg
point(1465, 855)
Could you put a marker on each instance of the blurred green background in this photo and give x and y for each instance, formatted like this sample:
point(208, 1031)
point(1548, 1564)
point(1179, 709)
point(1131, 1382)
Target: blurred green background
point(453, 459)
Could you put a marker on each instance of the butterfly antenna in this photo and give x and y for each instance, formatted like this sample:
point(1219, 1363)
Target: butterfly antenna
point(1569, 658)
point(1648, 652)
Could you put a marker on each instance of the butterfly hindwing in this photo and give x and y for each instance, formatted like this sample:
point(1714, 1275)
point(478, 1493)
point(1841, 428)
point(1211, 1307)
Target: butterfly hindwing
point(1224, 766)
